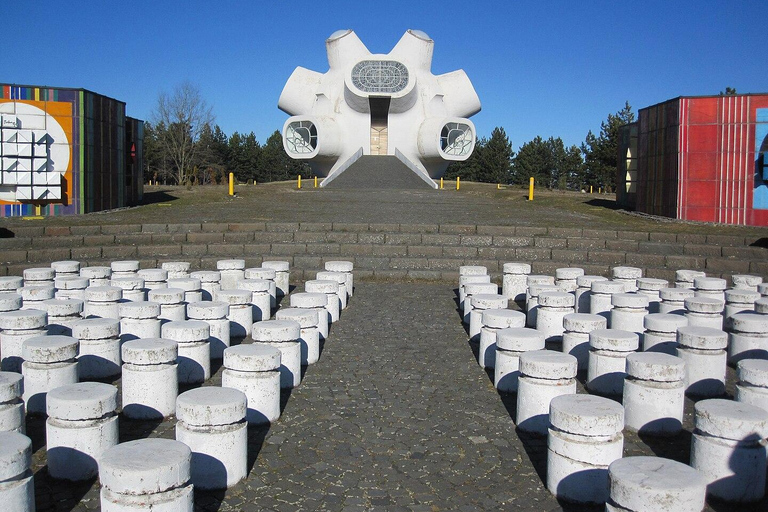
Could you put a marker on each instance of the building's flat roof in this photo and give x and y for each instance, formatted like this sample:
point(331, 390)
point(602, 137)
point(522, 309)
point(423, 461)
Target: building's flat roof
point(706, 96)
point(62, 89)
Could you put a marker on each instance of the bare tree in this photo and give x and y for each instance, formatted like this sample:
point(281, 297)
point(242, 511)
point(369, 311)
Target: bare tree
point(184, 114)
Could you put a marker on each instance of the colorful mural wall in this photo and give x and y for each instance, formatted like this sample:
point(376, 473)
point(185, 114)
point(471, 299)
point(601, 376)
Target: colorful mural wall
point(703, 159)
point(66, 151)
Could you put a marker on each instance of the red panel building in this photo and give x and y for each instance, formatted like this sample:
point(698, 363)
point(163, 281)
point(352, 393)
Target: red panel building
point(698, 158)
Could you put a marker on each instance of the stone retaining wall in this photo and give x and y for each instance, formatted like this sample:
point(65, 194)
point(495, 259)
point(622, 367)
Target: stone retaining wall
point(386, 251)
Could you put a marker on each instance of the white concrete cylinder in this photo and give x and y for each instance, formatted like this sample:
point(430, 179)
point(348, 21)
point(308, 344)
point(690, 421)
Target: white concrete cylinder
point(172, 305)
point(656, 484)
point(608, 351)
point(482, 302)
point(471, 289)
point(194, 349)
point(147, 474)
point(532, 304)
point(240, 313)
point(71, 287)
point(584, 292)
point(62, 314)
point(494, 320)
point(215, 314)
point(260, 297)
point(511, 343)
point(345, 267)
point(10, 301)
point(283, 335)
point(38, 275)
point(210, 282)
point(310, 336)
point(651, 287)
point(33, 296)
point(97, 276)
point(11, 405)
point(66, 267)
point(17, 487)
point(628, 312)
point(11, 283)
point(673, 300)
point(704, 312)
point(661, 332)
point(150, 382)
point(139, 320)
point(747, 336)
point(654, 393)
point(266, 274)
point(49, 362)
point(282, 275)
point(190, 285)
point(472, 270)
point(566, 278)
point(102, 302)
point(212, 423)
point(154, 278)
point(99, 352)
point(254, 369)
point(712, 287)
point(81, 426)
point(761, 306)
point(124, 268)
point(746, 281)
point(513, 284)
point(341, 279)
point(15, 327)
point(317, 302)
point(553, 308)
point(465, 280)
point(576, 337)
point(544, 375)
point(703, 350)
point(133, 287)
point(728, 448)
point(628, 276)
point(176, 269)
point(600, 297)
point(684, 278)
point(584, 439)
point(330, 289)
point(762, 289)
point(738, 300)
point(752, 386)
point(536, 280)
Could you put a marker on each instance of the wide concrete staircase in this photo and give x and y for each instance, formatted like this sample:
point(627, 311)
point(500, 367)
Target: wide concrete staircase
point(378, 172)
point(385, 251)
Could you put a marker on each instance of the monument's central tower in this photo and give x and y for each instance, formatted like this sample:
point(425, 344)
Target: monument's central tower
point(375, 104)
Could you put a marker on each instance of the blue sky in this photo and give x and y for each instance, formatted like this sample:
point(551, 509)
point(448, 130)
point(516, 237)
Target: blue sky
point(549, 68)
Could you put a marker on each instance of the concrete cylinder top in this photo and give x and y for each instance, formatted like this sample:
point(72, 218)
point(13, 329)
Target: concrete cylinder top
point(145, 466)
point(128, 283)
point(676, 294)
point(15, 455)
point(584, 322)
point(96, 272)
point(503, 318)
point(519, 339)
point(306, 318)
point(234, 297)
point(254, 285)
point(664, 322)
point(62, 307)
point(252, 358)
point(704, 305)
point(608, 287)
point(176, 266)
point(517, 268)
point(230, 265)
point(754, 371)
point(533, 279)
point(587, 415)
point(472, 270)
point(96, 329)
point(629, 300)
point(23, 320)
point(71, 282)
point(489, 301)
point(481, 289)
point(277, 266)
point(568, 273)
point(587, 280)
point(710, 283)
point(139, 310)
point(548, 364)
point(188, 284)
point(651, 284)
point(728, 419)
point(207, 310)
point(554, 299)
point(339, 266)
point(687, 276)
point(36, 293)
point(260, 273)
point(207, 276)
point(741, 296)
point(746, 281)
point(153, 275)
point(211, 405)
point(276, 331)
point(187, 331)
point(66, 266)
point(761, 306)
point(150, 351)
point(49, 349)
point(82, 401)
point(39, 274)
point(339, 277)
point(748, 322)
point(11, 283)
point(626, 272)
point(321, 286)
point(702, 338)
point(655, 366)
point(125, 266)
point(309, 300)
point(10, 301)
point(615, 340)
point(10, 386)
point(103, 293)
point(166, 296)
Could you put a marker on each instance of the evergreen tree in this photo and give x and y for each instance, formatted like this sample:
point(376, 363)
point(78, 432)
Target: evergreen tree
point(534, 160)
point(600, 152)
point(496, 159)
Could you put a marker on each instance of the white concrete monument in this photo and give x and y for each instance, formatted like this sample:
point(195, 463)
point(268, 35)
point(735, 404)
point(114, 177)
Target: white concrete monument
point(379, 104)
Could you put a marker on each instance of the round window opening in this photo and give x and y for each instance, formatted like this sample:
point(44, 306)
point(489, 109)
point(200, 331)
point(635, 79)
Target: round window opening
point(380, 76)
point(301, 137)
point(456, 139)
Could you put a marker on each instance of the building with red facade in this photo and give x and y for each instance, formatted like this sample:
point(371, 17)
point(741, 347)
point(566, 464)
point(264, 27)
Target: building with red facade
point(702, 158)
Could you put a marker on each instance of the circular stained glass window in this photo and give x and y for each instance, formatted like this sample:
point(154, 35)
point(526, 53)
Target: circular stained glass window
point(380, 76)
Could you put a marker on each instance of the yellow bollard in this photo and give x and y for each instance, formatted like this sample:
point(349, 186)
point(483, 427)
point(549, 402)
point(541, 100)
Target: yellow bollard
point(441, 183)
point(458, 181)
point(498, 186)
point(231, 183)
point(530, 189)
point(299, 185)
point(315, 181)
point(600, 190)
point(590, 189)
